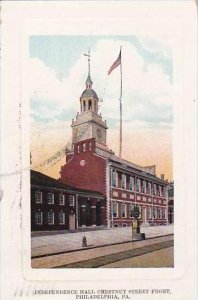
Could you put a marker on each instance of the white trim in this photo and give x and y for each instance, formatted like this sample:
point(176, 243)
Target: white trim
point(112, 179)
point(131, 206)
point(50, 223)
point(109, 217)
point(133, 183)
point(50, 201)
point(125, 211)
point(136, 192)
point(63, 214)
point(123, 201)
point(61, 201)
point(117, 211)
point(41, 197)
point(71, 200)
point(41, 214)
point(123, 182)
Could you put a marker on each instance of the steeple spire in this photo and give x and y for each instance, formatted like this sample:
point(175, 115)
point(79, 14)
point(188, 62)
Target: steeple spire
point(88, 81)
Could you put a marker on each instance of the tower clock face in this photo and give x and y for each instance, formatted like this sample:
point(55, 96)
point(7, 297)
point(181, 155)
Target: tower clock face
point(99, 133)
point(81, 132)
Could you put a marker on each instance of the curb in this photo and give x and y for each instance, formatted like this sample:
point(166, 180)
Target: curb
point(99, 246)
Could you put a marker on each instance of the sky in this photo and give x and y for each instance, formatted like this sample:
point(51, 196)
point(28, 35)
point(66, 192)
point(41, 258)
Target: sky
point(57, 74)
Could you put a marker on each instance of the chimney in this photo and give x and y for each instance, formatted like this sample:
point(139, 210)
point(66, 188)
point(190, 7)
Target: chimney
point(162, 176)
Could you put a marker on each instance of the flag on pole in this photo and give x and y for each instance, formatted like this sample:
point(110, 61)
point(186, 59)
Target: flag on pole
point(115, 64)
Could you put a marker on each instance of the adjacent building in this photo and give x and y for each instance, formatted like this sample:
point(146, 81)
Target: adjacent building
point(171, 203)
point(58, 206)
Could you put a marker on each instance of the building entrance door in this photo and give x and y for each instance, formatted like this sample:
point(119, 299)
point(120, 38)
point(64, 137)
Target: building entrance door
point(72, 222)
point(98, 214)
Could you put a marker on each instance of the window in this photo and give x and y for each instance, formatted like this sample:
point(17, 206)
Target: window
point(61, 217)
point(164, 191)
point(38, 218)
point(50, 198)
point(38, 197)
point(89, 145)
point(131, 184)
point(160, 191)
point(123, 181)
point(138, 185)
point(71, 200)
point(140, 211)
point(84, 105)
point(61, 199)
point(115, 210)
point(123, 210)
point(159, 213)
point(84, 147)
point(149, 212)
point(154, 189)
point(90, 105)
point(164, 213)
point(155, 212)
point(114, 179)
point(144, 186)
point(149, 188)
point(50, 217)
point(131, 208)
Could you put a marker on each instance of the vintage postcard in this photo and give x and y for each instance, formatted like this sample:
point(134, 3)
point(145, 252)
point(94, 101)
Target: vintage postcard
point(99, 154)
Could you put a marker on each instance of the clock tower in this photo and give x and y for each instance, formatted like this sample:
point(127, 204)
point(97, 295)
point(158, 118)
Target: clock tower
point(88, 123)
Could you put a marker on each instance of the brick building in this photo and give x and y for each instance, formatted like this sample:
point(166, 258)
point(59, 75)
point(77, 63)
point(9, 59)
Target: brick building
point(57, 206)
point(171, 203)
point(91, 165)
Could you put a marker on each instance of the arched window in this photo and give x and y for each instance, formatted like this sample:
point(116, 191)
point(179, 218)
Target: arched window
point(90, 105)
point(78, 149)
point(84, 147)
point(84, 105)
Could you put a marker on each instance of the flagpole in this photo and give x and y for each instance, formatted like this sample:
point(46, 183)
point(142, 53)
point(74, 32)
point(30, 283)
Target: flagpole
point(120, 151)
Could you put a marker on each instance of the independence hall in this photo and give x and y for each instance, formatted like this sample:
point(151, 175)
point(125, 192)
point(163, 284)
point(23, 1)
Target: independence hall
point(98, 187)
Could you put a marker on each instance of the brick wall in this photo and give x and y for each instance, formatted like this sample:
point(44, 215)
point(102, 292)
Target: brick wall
point(85, 170)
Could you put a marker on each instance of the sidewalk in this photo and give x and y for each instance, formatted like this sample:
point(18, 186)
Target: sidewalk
point(89, 258)
point(60, 243)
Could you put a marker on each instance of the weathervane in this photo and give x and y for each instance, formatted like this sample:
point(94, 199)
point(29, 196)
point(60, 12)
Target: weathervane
point(89, 58)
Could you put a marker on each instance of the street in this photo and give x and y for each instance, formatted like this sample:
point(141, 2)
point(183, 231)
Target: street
point(105, 248)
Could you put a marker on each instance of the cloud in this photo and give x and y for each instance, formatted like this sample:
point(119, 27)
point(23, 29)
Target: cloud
point(51, 96)
point(147, 99)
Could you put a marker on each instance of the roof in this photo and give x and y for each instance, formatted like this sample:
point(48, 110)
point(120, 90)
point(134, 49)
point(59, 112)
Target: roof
point(141, 170)
point(41, 179)
point(89, 93)
point(89, 79)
